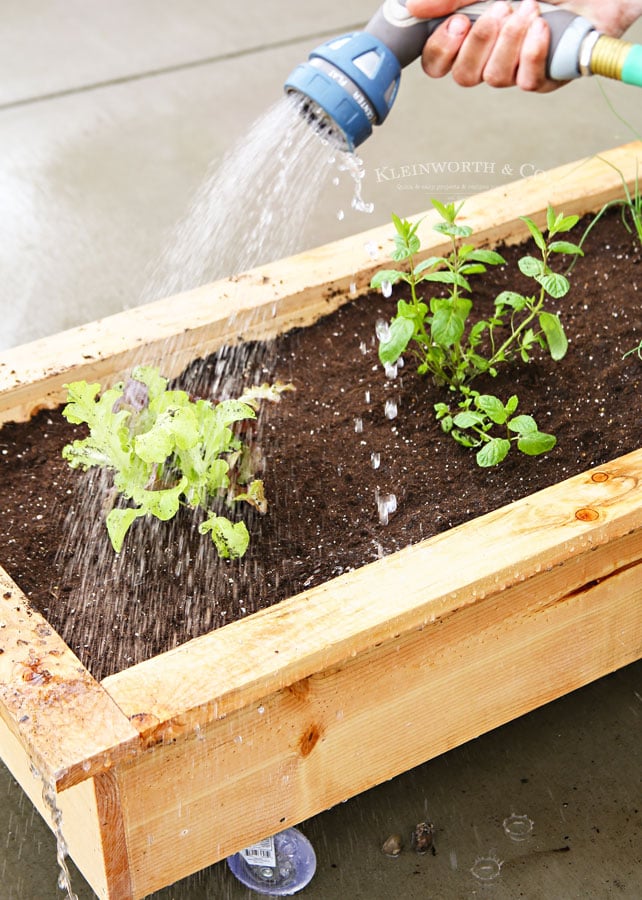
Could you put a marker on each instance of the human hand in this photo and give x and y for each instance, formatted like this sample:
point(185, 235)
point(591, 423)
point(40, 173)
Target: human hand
point(506, 46)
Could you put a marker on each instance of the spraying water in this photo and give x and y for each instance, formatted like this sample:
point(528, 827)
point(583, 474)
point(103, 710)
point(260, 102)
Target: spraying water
point(253, 207)
point(250, 209)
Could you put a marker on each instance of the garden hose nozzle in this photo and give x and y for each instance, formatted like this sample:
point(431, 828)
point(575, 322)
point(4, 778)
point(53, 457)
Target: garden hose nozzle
point(350, 82)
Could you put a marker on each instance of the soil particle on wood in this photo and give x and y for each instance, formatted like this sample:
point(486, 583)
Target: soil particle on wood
point(333, 453)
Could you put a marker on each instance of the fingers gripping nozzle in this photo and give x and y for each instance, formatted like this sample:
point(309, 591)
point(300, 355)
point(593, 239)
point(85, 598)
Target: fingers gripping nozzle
point(350, 82)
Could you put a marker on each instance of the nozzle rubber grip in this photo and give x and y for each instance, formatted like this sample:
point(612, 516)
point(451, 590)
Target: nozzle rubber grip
point(406, 35)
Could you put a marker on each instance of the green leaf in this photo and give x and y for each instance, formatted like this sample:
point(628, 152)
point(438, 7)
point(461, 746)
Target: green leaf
point(255, 496)
point(150, 376)
point(392, 276)
point(554, 284)
point(230, 539)
point(229, 411)
point(536, 442)
point(449, 320)
point(118, 522)
point(529, 265)
point(428, 263)
point(565, 247)
point(493, 452)
point(163, 504)
point(554, 334)
point(551, 218)
point(565, 223)
point(447, 277)
point(158, 443)
point(537, 235)
point(468, 419)
point(511, 298)
point(472, 269)
point(522, 425)
point(493, 407)
point(400, 335)
point(489, 257)
point(454, 231)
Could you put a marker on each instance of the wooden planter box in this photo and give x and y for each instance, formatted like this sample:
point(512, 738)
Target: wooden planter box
point(169, 766)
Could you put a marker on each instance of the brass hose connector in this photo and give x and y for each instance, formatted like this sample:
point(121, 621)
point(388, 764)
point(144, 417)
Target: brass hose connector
point(608, 56)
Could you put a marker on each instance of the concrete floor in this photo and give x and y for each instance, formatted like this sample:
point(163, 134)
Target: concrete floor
point(110, 114)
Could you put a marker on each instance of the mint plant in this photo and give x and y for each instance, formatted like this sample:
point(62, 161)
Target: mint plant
point(165, 450)
point(454, 347)
point(479, 415)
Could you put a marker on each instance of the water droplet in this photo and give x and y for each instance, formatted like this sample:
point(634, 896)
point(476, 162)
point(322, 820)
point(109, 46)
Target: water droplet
point(372, 250)
point(386, 506)
point(261, 710)
point(358, 425)
point(375, 459)
point(487, 868)
point(386, 288)
point(390, 409)
point(518, 827)
point(238, 739)
point(341, 215)
point(382, 330)
point(353, 288)
point(367, 396)
point(391, 371)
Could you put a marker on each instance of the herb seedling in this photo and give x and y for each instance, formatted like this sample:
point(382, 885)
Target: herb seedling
point(630, 206)
point(165, 450)
point(454, 349)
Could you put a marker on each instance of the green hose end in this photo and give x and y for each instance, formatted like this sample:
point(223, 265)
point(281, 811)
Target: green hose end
point(632, 68)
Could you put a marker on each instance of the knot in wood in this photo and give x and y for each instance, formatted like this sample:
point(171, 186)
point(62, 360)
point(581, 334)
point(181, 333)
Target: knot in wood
point(587, 514)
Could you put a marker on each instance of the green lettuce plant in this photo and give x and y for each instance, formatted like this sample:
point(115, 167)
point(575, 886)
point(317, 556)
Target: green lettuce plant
point(165, 450)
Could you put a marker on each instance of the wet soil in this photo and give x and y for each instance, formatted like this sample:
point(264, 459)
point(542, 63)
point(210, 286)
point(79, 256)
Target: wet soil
point(332, 455)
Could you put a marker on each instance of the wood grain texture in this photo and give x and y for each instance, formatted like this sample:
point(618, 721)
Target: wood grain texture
point(345, 728)
point(282, 295)
point(227, 669)
point(64, 719)
point(224, 740)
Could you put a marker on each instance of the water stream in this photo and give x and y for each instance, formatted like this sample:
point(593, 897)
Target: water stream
point(251, 208)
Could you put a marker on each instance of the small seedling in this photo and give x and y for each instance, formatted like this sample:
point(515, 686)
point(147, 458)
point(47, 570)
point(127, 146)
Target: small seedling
point(630, 206)
point(454, 347)
point(166, 450)
point(637, 350)
point(480, 416)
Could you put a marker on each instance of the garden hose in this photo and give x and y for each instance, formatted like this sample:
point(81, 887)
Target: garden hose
point(350, 82)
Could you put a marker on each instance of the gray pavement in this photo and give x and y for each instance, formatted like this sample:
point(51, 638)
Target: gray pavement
point(110, 114)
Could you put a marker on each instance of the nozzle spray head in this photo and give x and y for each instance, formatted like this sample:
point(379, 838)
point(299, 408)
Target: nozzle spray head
point(347, 85)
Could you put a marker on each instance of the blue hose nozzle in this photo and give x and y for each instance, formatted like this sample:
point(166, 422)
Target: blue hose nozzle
point(349, 83)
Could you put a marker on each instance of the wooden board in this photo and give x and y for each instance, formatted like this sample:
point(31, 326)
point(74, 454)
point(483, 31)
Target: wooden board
point(259, 725)
point(285, 294)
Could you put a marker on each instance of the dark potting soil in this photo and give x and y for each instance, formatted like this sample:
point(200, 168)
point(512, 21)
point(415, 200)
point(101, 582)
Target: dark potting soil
point(332, 455)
